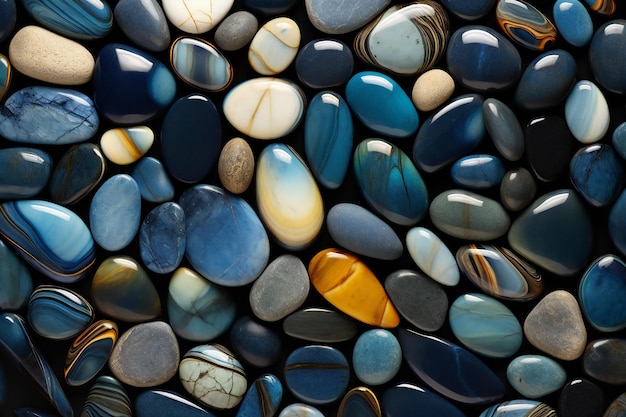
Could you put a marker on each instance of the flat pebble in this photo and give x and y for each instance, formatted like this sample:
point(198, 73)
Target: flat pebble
point(319, 325)
point(432, 89)
point(236, 31)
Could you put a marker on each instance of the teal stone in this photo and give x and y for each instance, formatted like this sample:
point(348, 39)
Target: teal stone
point(605, 360)
point(79, 171)
point(573, 22)
point(485, 325)
point(263, 397)
point(58, 313)
point(143, 22)
point(162, 403)
point(597, 173)
point(618, 139)
point(617, 223)
point(162, 238)
point(115, 212)
point(554, 233)
point(519, 408)
point(107, 398)
point(24, 172)
point(535, 376)
point(328, 135)
point(15, 280)
point(154, 184)
point(79, 19)
point(381, 104)
point(52, 239)
point(504, 129)
point(601, 292)
point(467, 215)
point(200, 64)
point(48, 116)
point(478, 172)
point(450, 133)
point(587, 112)
point(390, 182)
point(376, 357)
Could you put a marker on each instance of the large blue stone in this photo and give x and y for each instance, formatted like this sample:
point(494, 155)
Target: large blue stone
point(24, 172)
point(404, 399)
point(469, 10)
point(324, 63)
point(78, 171)
point(607, 47)
point(15, 280)
point(159, 403)
point(48, 116)
point(255, 343)
point(478, 171)
point(144, 22)
point(573, 22)
point(154, 184)
point(8, 18)
point(519, 408)
point(263, 397)
point(602, 292)
point(226, 242)
point(162, 238)
point(597, 174)
point(79, 19)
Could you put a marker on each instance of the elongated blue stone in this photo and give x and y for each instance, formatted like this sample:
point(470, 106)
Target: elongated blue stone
point(80, 169)
point(601, 291)
point(24, 172)
point(478, 171)
point(8, 18)
point(597, 173)
point(403, 399)
point(144, 22)
point(200, 64)
point(504, 129)
point(573, 22)
point(48, 116)
point(107, 398)
point(263, 397)
point(15, 280)
point(51, 238)
point(162, 238)
point(519, 408)
point(89, 352)
point(255, 343)
point(154, 184)
point(161, 403)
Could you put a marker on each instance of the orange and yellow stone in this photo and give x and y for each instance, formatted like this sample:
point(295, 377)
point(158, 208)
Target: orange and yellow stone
point(348, 284)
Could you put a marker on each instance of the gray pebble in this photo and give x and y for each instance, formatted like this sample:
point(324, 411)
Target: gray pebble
point(517, 189)
point(236, 31)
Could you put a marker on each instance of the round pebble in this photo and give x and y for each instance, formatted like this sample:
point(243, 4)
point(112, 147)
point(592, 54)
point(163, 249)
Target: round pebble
point(376, 357)
point(432, 89)
point(236, 31)
point(235, 165)
point(535, 376)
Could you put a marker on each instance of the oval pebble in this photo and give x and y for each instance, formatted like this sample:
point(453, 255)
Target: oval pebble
point(519, 408)
point(125, 145)
point(143, 22)
point(581, 398)
point(235, 165)
point(274, 47)
point(196, 16)
point(236, 30)
point(79, 171)
point(604, 360)
point(477, 172)
point(608, 42)
point(573, 22)
point(432, 256)
point(549, 147)
point(504, 129)
point(339, 16)
point(200, 64)
point(255, 343)
point(597, 173)
point(89, 352)
point(300, 410)
point(162, 238)
point(535, 376)
point(432, 89)
point(263, 397)
point(587, 112)
point(376, 357)
point(525, 25)
point(324, 63)
point(79, 19)
point(152, 180)
point(319, 325)
point(517, 189)
point(24, 172)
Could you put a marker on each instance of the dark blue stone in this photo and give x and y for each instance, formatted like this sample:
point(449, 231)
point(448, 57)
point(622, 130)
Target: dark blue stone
point(154, 184)
point(24, 172)
point(573, 22)
point(404, 399)
point(15, 280)
point(618, 139)
point(191, 138)
point(131, 86)
point(478, 172)
point(597, 174)
point(469, 10)
point(450, 133)
point(324, 63)
point(107, 398)
point(605, 360)
point(482, 59)
point(263, 397)
point(602, 292)
point(31, 412)
point(549, 147)
point(607, 47)
point(144, 22)
point(450, 369)
point(78, 171)
point(617, 223)
point(8, 17)
point(159, 403)
point(255, 343)
point(269, 7)
point(162, 238)
point(4, 385)
point(504, 129)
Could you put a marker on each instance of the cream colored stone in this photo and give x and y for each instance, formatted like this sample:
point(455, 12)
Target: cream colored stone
point(46, 56)
point(432, 89)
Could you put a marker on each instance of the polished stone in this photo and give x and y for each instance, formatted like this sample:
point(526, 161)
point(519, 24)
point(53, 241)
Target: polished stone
point(324, 63)
point(525, 24)
point(608, 42)
point(549, 147)
point(162, 403)
point(376, 357)
point(587, 112)
point(144, 23)
point(107, 398)
point(200, 64)
point(617, 408)
point(432, 256)
point(478, 172)
point(196, 16)
point(469, 10)
point(405, 398)
point(359, 401)
point(319, 325)
point(162, 238)
point(254, 342)
point(432, 89)
point(154, 184)
point(125, 145)
point(31, 412)
point(269, 7)
point(79, 171)
point(618, 140)
point(535, 376)
point(581, 398)
point(80, 19)
point(504, 129)
point(598, 174)
point(235, 165)
point(24, 172)
point(8, 18)
point(263, 397)
point(6, 70)
point(573, 22)
point(89, 352)
point(617, 223)
point(15, 280)
point(517, 189)
point(236, 30)
point(605, 360)
point(274, 47)
point(519, 408)
point(300, 410)
point(339, 16)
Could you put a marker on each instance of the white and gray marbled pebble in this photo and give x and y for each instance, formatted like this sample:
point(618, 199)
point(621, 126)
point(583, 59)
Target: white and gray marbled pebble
point(236, 31)
point(432, 256)
point(342, 16)
point(300, 410)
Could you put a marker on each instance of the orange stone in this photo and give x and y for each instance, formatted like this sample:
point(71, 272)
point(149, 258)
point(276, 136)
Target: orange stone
point(348, 284)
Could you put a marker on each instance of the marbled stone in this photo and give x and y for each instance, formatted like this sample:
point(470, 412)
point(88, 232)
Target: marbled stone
point(274, 47)
point(348, 284)
point(617, 408)
point(280, 290)
point(49, 237)
point(79, 19)
point(406, 39)
point(125, 145)
point(587, 112)
point(255, 343)
point(8, 18)
point(607, 45)
point(200, 64)
point(376, 357)
point(481, 59)
point(554, 233)
point(404, 398)
point(328, 137)
point(196, 16)
point(235, 165)
point(144, 23)
point(381, 104)
point(24, 172)
point(525, 24)
point(145, 355)
point(581, 398)
point(517, 189)
point(338, 16)
point(519, 408)
point(503, 129)
point(58, 313)
point(449, 369)
point(265, 108)
point(79, 171)
point(48, 116)
point(432, 89)
point(478, 172)
point(300, 410)
point(213, 376)
point(390, 182)
point(107, 398)
point(467, 215)
point(131, 86)
point(89, 352)
point(555, 326)
point(469, 10)
point(317, 374)
point(597, 174)
point(362, 232)
point(432, 256)
point(122, 290)
point(163, 238)
point(603, 7)
point(605, 360)
point(319, 325)
point(115, 212)
point(288, 199)
point(263, 397)
point(359, 401)
point(162, 403)
point(15, 280)
point(6, 70)
point(324, 63)
point(535, 376)
point(601, 291)
point(226, 242)
point(499, 272)
point(573, 22)
point(154, 184)
point(549, 147)
point(450, 133)
point(236, 30)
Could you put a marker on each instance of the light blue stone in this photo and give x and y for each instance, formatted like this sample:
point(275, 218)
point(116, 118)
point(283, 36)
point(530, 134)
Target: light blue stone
point(15, 280)
point(376, 357)
point(115, 212)
point(504, 129)
point(587, 112)
point(144, 22)
point(485, 325)
point(535, 376)
point(263, 397)
point(154, 184)
point(24, 172)
point(200, 64)
point(162, 238)
point(226, 242)
point(48, 116)
point(478, 172)
point(597, 174)
point(381, 104)
point(328, 135)
point(340, 16)
point(432, 256)
point(519, 408)
point(300, 410)
point(618, 140)
point(573, 22)
point(602, 292)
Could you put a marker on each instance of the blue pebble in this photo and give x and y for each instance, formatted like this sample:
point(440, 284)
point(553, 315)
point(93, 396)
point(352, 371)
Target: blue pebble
point(602, 292)
point(573, 22)
point(200, 64)
point(376, 357)
point(161, 403)
point(478, 172)
point(263, 397)
point(79, 19)
point(269, 7)
point(597, 174)
point(618, 139)
point(255, 343)
point(518, 408)
point(162, 238)
point(535, 376)
point(154, 184)
point(324, 63)
point(31, 412)
point(469, 10)
point(24, 172)
point(587, 112)
point(404, 399)
point(617, 223)
point(144, 22)
point(609, 42)
point(8, 18)
point(107, 398)
point(15, 280)
point(504, 129)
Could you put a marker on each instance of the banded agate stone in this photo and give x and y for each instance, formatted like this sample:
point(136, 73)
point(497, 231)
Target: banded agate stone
point(90, 352)
point(359, 401)
point(200, 64)
point(525, 24)
point(107, 397)
point(519, 408)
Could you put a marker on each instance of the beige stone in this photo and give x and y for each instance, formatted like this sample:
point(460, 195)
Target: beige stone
point(46, 56)
point(236, 165)
point(432, 89)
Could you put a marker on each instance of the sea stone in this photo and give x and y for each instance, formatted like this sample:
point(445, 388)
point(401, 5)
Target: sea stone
point(605, 360)
point(535, 376)
point(235, 165)
point(432, 89)
point(236, 31)
point(341, 16)
point(196, 16)
point(143, 21)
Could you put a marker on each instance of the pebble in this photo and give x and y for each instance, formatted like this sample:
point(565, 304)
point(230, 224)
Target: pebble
point(255, 343)
point(235, 165)
point(535, 376)
point(573, 22)
point(432, 256)
point(403, 399)
point(608, 42)
point(143, 22)
point(376, 357)
point(337, 17)
point(15, 280)
point(601, 291)
point(77, 173)
point(4, 385)
point(517, 189)
point(200, 64)
point(581, 398)
point(274, 47)
point(597, 173)
point(300, 410)
point(263, 397)
point(605, 360)
point(504, 129)
point(196, 16)
point(319, 325)
point(525, 25)
point(432, 89)
point(478, 172)
point(107, 397)
point(269, 7)
point(359, 401)
point(125, 145)
point(162, 238)
point(519, 408)
point(163, 403)
point(603, 7)
point(153, 182)
point(8, 18)
point(469, 10)
point(618, 140)
point(324, 63)
point(617, 408)
point(587, 112)
point(617, 223)
point(236, 30)
point(89, 352)
point(24, 172)
point(6, 73)
point(549, 147)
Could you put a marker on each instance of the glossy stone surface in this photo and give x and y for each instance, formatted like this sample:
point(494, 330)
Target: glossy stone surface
point(162, 238)
point(554, 233)
point(324, 63)
point(317, 374)
point(581, 398)
point(604, 7)
point(467, 215)
point(450, 133)
point(197, 309)
point(122, 290)
point(517, 189)
point(432, 89)
point(432, 256)
point(58, 313)
point(499, 272)
point(6, 70)
point(255, 343)
point(390, 182)
point(608, 43)
point(24, 172)
point(449, 369)
point(573, 22)
point(300, 410)
point(288, 199)
point(8, 18)
point(555, 326)
point(617, 223)
point(80, 19)
point(482, 59)
point(213, 376)
point(546, 81)
point(328, 133)
point(79, 171)
point(381, 104)
point(115, 212)
point(15, 280)
point(130, 86)
point(338, 16)
point(89, 352)
point(274, 47)
point(469, 10)
point(319, 325)
point(348, 284)
point(403, 399)
point(597, 173)
point(479, 172)
point(263, 397)
point(214, 218)
point(48, 116)
point(152, 180)
point(236, 30)
point(504, 129)
point(162, 403)
point(107, 397)
point(31, 412)
point(587, 112)
point(376, 357)
point(125, 145)
point(143, 22)
point(196, 16)
point(617, 408)
point(605, 360)
point(549, 147)
point(360, 401)
point(535, 376)
point(525, 24)
point(618, 140)
point(200, 64)
point(519, 408)
point(406, 39)
point(49, 237)
point(235, 165)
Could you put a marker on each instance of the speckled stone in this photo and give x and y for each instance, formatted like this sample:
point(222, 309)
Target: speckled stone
point(235, 165)
point(535, 376)
point(236, 31)
point(432, 89)
point(376, 357)
point(517, 189)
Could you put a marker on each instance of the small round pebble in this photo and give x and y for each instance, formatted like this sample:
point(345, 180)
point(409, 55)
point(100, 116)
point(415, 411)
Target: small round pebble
point(376, 357)
point(535, 376)
point(235, 166)
point(255, 343)
point(517, 189)
point(236, 31)
point(432, 89)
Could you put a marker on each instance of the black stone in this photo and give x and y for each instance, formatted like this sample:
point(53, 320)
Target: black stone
point(549, 147)
point(581, 398)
